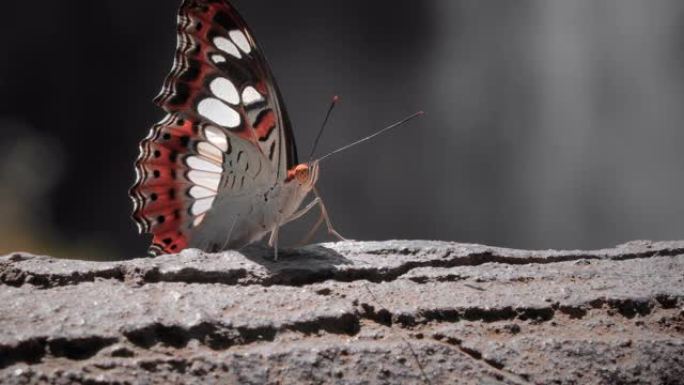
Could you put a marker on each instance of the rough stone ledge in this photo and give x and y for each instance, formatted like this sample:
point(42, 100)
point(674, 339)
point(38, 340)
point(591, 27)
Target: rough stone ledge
point(344, 262)
point(348, 313)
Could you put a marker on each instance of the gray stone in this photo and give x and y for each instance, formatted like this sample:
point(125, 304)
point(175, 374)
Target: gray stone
point(409, 312)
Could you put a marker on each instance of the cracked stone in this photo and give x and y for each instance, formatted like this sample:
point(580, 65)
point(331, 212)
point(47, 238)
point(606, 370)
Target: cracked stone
point(411, 312)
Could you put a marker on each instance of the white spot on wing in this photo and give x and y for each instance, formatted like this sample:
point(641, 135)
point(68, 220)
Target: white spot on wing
point(219, 113)
point(250, 96)
point(201, 164)
point(198, 221)
point(205, 179)
point(211, 152)
point(241, 40)
point(227, 46)
point(224, 89)
point(217, 138)
point(199, 192)
point(218, 59)
point(202, 206)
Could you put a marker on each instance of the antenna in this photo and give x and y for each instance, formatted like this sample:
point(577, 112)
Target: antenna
point(325, 122)
point(388, 128)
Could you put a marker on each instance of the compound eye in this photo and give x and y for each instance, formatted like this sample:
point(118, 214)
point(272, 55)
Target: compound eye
point(302, 173)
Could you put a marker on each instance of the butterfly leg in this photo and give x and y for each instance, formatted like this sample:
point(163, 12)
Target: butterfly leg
point(273, 241)
point(315, 202)
point(230, 234)
point(312, 232)
point(324, 214)
point(303, 211)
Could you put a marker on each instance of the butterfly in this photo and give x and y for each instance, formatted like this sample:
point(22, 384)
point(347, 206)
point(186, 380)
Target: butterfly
point(220, 170)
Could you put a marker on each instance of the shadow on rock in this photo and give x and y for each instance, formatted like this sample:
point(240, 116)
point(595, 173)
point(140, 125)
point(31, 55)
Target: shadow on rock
point(298, 266)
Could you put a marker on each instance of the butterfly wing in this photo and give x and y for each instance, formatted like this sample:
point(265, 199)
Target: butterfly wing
point(218, 58)
point(226, 134)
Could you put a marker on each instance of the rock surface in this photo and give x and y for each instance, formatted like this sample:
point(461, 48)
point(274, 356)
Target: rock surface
point(407, 312)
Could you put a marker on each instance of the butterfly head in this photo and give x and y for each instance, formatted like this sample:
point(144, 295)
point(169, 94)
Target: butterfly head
point(306, 174)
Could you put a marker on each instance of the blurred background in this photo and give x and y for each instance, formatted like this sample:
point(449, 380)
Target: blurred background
point(551, 123)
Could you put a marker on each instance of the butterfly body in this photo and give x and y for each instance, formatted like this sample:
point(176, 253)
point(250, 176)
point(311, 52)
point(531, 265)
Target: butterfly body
point(238, 220)
point(220, 170)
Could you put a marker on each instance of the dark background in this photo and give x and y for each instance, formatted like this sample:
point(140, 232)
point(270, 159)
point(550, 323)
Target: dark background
point(551, 124)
